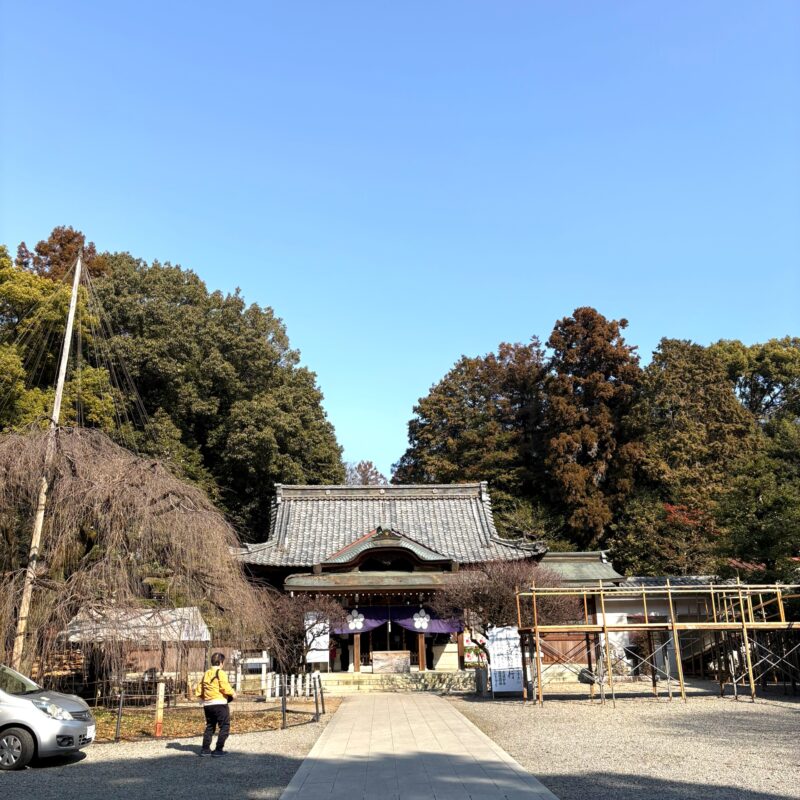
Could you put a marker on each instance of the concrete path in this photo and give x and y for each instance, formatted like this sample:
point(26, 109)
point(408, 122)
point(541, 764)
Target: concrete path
point(408, 747)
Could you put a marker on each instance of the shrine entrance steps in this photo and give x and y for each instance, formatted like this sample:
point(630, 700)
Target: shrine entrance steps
point(346, 683)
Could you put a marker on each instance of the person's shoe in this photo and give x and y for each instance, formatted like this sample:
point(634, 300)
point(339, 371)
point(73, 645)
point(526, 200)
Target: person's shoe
point(205, 753)
point(219, 753)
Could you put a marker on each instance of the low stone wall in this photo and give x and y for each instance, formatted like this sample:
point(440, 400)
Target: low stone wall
point(337, 683)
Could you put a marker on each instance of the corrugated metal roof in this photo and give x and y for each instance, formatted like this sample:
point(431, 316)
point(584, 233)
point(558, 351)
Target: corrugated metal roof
point(311, 523)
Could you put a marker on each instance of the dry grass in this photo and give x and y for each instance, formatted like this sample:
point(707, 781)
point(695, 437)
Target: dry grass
point(189, 721)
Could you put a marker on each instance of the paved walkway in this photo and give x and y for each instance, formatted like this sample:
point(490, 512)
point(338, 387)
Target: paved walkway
point(408, 747)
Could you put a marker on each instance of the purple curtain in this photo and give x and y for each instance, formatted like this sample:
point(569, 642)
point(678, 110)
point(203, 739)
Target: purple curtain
point(413, 618)
point(366, 618)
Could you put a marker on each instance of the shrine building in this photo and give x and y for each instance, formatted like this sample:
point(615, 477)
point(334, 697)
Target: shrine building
point(382, 552)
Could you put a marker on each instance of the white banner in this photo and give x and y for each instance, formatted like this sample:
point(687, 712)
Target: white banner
point(318, 638)
point(505, 654)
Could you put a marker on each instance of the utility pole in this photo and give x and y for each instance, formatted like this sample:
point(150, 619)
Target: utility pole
point(38, 523)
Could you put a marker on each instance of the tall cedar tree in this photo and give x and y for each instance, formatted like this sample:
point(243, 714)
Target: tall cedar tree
point(476, 423)
point(594, 376)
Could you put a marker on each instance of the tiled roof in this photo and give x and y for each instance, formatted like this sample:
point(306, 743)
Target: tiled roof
point(379, 538)
point(312, 523)
point(578, 569)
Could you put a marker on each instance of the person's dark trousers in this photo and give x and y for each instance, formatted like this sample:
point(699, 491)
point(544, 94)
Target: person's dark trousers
point(217, 716)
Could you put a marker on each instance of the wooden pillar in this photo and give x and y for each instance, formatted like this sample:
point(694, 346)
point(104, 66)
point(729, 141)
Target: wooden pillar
point(356, 652)
point(160, 709)
point(676, 641)
point(607, 643)
point(538, 651)
point(746, 643)
point(460, 640)
point(421, 651)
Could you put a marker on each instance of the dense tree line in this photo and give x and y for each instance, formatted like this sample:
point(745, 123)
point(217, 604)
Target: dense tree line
point(690, 464)
point(200, 379)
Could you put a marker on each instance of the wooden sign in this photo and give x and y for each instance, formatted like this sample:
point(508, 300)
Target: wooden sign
point(391, 661)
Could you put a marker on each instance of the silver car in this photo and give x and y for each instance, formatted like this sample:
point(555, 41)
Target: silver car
point(36, 722)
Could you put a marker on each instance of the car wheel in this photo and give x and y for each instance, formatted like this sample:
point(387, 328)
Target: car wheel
point(16, 748)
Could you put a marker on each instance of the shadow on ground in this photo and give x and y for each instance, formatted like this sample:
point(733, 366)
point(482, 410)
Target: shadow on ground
point(603, 785)
point(176, 772)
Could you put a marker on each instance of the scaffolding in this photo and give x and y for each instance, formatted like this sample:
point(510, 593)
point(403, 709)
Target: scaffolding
point(741, 635)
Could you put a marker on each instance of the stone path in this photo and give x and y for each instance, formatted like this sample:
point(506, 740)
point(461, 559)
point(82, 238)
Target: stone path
point(408, 747)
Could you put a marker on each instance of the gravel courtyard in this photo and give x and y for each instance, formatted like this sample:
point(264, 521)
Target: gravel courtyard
point(708, 749)
point(259, 767)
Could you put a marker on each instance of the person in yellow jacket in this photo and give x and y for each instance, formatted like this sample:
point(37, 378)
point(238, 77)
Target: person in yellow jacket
point(215, 692)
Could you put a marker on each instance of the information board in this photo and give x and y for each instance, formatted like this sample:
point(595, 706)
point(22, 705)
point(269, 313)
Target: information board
point(505, 655)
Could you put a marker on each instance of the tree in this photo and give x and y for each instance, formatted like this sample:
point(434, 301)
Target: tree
point(280, 436)
point(652, 537)
point(33, 311)
point(364, 473)
point(476, 423)
point(225, 375)
point(766, 377)
point(761, 508)
point(484, 595)
point(55, 256)
point(591, 386)
point(694, 428)
point(693, 431)
point(297, 625)
point(116, 527)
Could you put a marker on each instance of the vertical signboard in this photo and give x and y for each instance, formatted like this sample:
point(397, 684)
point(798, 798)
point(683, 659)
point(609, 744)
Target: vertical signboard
point(505, 654)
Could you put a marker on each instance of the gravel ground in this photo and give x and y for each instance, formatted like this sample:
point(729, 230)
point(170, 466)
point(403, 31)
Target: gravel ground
point(259, 766)
point(707, 749)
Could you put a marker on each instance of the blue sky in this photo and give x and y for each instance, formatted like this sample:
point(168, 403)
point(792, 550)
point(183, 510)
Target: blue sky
point(408, 182)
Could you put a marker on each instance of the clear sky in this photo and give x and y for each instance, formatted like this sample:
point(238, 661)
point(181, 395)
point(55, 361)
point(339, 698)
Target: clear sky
point(407, 182)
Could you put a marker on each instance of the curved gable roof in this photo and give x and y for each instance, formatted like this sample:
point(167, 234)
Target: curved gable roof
point(314, 523)
point(379, 539)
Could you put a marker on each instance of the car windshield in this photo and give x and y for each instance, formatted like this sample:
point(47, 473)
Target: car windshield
point(14, 683)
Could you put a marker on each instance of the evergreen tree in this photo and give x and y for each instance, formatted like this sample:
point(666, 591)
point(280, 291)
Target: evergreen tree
point(693, 432)
point(589, 458)
point(476, 424)
point(761, 509)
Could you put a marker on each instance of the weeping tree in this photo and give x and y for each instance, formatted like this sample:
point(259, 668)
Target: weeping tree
point(120, 532)
point(485, 596)
point(300, 624)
